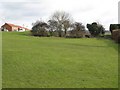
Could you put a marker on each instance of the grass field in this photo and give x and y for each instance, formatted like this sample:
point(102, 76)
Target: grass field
point(0, 60)
point(43, 62)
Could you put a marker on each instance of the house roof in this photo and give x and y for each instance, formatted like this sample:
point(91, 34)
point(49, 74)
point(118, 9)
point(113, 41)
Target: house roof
point(13, 25)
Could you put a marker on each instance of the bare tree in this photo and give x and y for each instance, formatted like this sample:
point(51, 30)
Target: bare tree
point(66, 25)
point(78, 29)
point(63, 20)
point(52, 26)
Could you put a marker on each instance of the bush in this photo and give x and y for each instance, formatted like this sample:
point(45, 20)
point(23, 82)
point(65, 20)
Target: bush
point(96, 29)
point(116, 35)
point(39, 29)
point(114, 27)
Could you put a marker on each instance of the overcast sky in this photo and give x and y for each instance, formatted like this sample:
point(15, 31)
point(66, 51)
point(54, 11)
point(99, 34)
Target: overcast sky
point(25, 12)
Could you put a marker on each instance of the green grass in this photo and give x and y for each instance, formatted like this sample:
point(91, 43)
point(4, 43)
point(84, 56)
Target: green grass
point(0, 60)
point(43, 62)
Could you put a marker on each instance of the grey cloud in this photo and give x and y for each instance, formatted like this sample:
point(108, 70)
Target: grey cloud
point(82, 10)
point(15, 10)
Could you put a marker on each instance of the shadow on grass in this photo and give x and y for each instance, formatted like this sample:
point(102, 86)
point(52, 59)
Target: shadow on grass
point(106, 39)
point(109, 42)
point(84, 45)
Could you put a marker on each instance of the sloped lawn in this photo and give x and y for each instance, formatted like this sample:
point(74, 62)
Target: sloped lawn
point(51, 62)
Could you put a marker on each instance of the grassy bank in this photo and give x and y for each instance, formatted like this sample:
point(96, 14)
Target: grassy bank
point(35, 62)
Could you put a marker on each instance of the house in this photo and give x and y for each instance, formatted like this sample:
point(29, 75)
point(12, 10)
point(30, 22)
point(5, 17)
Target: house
point(12, 27)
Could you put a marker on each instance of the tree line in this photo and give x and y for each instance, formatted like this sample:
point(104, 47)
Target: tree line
point(61, 24)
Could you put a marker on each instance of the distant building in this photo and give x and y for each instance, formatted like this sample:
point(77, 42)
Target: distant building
point(12, 27)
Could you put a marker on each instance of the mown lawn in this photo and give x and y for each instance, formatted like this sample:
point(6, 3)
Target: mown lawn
point(51, 62)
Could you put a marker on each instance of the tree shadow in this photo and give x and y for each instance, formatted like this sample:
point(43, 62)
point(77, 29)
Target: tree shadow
point(109, 42)
point(106, 39)
point(85, 45)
